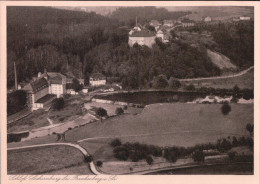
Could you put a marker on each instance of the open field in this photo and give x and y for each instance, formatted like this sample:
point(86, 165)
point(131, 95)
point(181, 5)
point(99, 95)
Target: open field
point(44, 160)
point(38, 118)
point(243, 81)
point(176, 124)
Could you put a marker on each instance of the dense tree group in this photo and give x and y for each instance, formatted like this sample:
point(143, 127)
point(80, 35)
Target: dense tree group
point(127, 15)
point(233, 39)
point(79, 42)
point(15, 101)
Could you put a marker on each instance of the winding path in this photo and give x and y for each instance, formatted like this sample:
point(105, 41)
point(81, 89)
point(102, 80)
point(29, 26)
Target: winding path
point(219, 77)
point(81, 149)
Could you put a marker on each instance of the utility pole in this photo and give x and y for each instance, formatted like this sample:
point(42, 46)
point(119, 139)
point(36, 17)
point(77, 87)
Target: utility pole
point(15, 77)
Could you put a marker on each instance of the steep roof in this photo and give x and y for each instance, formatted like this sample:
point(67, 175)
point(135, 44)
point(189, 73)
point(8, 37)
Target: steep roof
point(97, 76)
point(54, 77)
point(36, 85)
point(143, 33)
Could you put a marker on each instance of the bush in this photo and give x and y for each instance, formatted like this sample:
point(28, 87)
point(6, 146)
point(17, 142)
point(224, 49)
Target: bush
point(58, 104)
point(99, 163)
point(119, 111)
point(101, 112)
point(190, 87)
point(174, 83)
point(160, 82)
point(234, 142)
point(149, 160)
point(170, 155)
point(236, 91)
point(231, 155)
point(224, 145)
point(198, 156)
point(121, 153)
point(76, 85)
point(15, 101)
point(115, 143)
point(250, 128)
point(226, 108)
point(136, 156)
point(88, 159)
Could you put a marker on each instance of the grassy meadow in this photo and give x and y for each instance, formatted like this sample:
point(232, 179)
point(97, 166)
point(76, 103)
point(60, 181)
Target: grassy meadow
point(44, 160)
point(243, 81)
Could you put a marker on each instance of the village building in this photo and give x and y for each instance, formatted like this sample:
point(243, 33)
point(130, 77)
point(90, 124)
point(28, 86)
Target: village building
point(244, 18)
point(143, 37)
point(97, 79)
point(57, 83)
point(156, 24)
point(168, 23)
point(38, 93)
point(188, 23)
point(163, 35)
point(207, 19)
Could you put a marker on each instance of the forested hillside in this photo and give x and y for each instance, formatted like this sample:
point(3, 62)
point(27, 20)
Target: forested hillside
point(234, 40)
point(44, 37)
point(127, 15)
point(68, 41)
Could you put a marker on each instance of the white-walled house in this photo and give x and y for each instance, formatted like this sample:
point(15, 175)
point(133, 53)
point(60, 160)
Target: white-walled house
point(97, 79)
point(207, 19)
point(168, 23)
point(57, 83)
point(156, 24)
point(244, 18)
point(143, 37)
point(43, 89)
point(163, 35)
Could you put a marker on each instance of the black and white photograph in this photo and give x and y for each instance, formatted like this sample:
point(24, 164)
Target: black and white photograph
point(130, 90)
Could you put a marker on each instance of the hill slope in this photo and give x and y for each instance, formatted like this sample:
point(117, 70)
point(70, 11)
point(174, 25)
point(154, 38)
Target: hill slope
point(220, 60)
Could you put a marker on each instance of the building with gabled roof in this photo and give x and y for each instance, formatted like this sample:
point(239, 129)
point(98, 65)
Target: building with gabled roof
point(43, 89)
point(97, 79)
point(57, 82)
point(156, 24)
point(143, 37)
point(188, 23)
point(207, 19)
point(168, 23)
